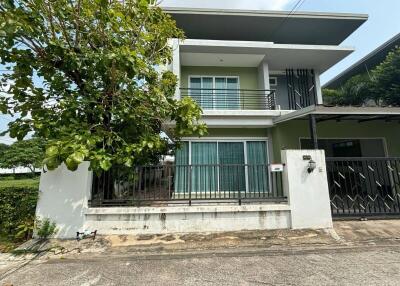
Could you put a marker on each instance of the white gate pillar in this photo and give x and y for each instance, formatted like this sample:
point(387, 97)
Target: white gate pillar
point(63, 198)
point(308, 192)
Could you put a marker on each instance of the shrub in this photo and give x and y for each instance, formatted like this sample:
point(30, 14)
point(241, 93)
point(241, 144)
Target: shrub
point(18, 200)
point(45, 228)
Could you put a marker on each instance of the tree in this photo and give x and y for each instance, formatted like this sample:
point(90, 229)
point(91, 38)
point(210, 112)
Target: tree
point(3, 149)
point(86, 77)
point(387, 78)
point(355, 91)
point(382, 85)
point(25, 153)
point(332, 96)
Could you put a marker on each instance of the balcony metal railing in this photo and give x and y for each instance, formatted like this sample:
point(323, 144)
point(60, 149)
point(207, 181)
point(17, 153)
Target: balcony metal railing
point(184, 184)
point(232, 99)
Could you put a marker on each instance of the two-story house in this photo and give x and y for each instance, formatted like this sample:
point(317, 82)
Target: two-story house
point(256, 75)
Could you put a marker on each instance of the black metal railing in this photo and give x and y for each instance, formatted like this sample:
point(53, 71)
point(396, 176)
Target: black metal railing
point(232, 99)
point(364, 186)
point(185, 184)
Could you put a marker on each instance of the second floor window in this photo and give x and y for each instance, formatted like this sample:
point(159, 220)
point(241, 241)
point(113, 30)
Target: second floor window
point(220, 92)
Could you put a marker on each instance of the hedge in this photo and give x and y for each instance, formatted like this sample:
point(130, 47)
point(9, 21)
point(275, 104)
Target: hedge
point(18, 200)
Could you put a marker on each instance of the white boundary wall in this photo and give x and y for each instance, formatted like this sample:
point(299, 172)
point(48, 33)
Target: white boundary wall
point(64, 199)
point(187, 219)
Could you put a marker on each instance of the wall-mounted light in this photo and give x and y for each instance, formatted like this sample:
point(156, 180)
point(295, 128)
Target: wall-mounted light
point(311, 166)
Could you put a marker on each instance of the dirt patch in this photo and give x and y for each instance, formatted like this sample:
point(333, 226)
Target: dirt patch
point(369, 230)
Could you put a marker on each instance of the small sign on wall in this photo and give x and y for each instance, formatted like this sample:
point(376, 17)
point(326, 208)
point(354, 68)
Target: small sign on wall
point(276, 167)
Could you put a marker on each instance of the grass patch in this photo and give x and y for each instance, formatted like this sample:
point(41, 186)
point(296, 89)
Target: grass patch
point(29, 183)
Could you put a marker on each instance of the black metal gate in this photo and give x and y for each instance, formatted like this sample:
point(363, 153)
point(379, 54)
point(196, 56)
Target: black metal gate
point(361, 187)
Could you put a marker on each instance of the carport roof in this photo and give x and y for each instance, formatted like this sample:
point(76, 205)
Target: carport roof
point(308, 28)
point(340, 113)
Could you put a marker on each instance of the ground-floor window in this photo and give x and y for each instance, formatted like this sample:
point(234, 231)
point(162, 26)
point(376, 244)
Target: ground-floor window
point(222, 165)
point(347, 147)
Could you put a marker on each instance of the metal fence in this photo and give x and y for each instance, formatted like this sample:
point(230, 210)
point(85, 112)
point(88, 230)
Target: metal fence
point(247, 99)
point(364, 186)
point(185, 184)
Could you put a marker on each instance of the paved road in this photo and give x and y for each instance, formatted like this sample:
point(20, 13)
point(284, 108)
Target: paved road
point(366, 265)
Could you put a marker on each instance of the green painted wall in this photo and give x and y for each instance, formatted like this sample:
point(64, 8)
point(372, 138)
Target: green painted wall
point(247, 76)
point(286, 135)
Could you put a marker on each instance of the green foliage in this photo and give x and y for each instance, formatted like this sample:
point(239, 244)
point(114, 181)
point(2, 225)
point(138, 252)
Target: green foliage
point(332, 96)
point(355, 91)
point(25, 229)
point(381, 85)
point(387, 78)
point(45, 228)
point(17, 204)
point(3, 149)
point(103, 98)
point(25, 153)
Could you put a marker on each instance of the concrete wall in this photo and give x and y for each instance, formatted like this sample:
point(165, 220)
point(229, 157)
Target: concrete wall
point(287, 135)
point(63, 197)
point(158, 220)
point(308, 193)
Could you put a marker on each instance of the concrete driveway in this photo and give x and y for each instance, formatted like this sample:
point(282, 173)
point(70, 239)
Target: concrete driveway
point(364, 253)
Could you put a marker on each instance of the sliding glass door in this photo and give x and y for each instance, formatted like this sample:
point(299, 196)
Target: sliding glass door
point(223, 166)
point(232, 170)
point(257, 166)
point(204, 171)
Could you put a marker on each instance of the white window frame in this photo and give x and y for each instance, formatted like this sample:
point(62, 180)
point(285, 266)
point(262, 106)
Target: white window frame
point(243, 140)
point(213, 80)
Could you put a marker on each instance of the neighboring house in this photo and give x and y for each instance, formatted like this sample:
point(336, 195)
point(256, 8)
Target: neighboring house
point(256, 76)
point(366, 64)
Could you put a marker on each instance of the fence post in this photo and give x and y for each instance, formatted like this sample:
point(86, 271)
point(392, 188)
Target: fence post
point(190, 185)
point(239, 185)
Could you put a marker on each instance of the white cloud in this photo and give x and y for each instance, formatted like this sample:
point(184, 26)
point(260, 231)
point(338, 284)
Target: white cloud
point(231, 4)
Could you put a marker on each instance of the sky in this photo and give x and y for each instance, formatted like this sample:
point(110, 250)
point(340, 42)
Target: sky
point(383, 23)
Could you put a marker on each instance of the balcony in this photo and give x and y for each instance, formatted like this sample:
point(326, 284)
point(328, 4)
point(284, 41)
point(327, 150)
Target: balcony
point(232, 99)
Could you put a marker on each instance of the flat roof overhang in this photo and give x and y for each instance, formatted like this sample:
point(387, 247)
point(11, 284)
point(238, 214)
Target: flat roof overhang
point(251, 54)
point(323, 113)
point(310, 28)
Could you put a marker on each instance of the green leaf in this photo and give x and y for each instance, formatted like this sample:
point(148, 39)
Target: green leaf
point(105, 165)
point(52, 151)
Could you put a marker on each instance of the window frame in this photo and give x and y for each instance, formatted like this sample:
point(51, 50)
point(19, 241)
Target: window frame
point(243, 140)
point(213, 85)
